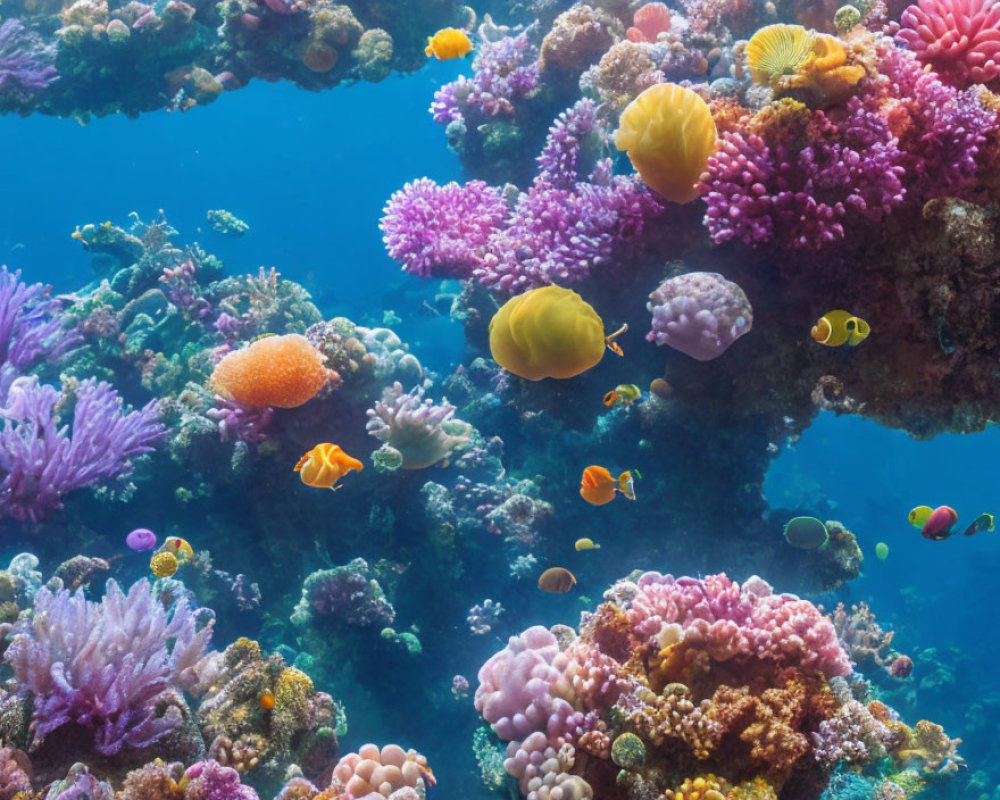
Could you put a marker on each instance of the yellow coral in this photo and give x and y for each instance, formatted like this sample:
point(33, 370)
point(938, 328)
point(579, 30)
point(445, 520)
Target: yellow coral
point(669, 134)
point(787, 57)
point(707, 787)
point(163, 564)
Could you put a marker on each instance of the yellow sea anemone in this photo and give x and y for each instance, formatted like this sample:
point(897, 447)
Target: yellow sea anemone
point(669, 134)
point(787, 57)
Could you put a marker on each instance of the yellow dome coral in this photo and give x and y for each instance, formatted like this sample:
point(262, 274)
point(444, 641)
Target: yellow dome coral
point(548, 332)
point(669, 134)
point(787, 57)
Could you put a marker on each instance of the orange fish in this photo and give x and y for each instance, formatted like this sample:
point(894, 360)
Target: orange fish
point(598, 486)
point(324, 465)
point(448, 43)
point(557, 580)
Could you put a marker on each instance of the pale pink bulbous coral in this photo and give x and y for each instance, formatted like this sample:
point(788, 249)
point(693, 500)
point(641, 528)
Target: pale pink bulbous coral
point(521, 689)
point(959, 39)
point(727, 620)
point(699, 313)
point(374, 773)
point(648, 23)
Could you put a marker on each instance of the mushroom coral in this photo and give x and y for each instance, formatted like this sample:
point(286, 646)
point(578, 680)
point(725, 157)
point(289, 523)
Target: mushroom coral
point(669, 134)
point(279, 371)
point(549, 332)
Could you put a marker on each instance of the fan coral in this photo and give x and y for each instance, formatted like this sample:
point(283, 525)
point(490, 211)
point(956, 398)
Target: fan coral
point(700, 314)
point(441, 231)
point(422, 431)
point(109, 667)
point(41, 461)
point(959, 39)
point(281, 371)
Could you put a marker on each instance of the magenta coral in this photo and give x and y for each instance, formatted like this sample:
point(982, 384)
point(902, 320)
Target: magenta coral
point(727, 620)
point(959, 39)
point(441, 231)
point(209, 780)
point(804, 192)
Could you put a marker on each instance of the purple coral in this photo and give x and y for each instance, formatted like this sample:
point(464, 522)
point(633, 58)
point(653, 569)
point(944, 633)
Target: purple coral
point(346, 594)
point(32, 328)
point(504, 72)
point(111, 667)
point(14, 779)
point(441, 231)
point(700, 314)
point(40, 461)
point(26, 63)
point(803, 191)
point(421, 431)
point(209, 780)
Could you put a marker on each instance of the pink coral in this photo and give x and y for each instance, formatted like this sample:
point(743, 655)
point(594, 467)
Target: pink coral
point(375, 772)
point(727, 620)
point(960, 39)
point(648, 23)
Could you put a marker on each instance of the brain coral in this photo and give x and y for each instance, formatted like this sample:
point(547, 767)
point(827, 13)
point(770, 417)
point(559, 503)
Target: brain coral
point(279, 371)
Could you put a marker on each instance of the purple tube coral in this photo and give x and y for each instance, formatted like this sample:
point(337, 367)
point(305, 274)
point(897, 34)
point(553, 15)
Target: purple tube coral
point(27, 64)
point(700, 314)
point(111, 668)
point(421, 431)
point(40, 461)
point(803, 186)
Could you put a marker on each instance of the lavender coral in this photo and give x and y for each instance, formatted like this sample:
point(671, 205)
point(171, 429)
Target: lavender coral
point(26, 64)
point(41, 461)
point(112, 668)
point(700, 314)
point(421, 431)
point(346, 594)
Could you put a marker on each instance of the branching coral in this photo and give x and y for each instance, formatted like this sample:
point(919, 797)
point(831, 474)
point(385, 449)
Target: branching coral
point(111, 668)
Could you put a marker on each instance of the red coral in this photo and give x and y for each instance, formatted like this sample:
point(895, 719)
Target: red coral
point(648, 23)
point(960, 39)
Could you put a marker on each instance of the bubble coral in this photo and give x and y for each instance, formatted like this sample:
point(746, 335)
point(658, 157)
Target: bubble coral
point(373, 771)
point(280, 371)
point(700, 314)
point(669, 134)
point(959, 39)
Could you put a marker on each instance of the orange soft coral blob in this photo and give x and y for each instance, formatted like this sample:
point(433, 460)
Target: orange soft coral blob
point(669, 134)
point(278, 371)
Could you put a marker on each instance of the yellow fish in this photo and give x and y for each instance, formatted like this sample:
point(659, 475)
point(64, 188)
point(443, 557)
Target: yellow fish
point(324, 465)
point(179, 547)
point(919, 516)
point(448, 43)
point(586, 544)
point(625, 393)
point(839, 327)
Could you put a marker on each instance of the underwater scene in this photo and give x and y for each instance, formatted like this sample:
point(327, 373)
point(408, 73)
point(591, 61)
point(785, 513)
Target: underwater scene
point(528, 399)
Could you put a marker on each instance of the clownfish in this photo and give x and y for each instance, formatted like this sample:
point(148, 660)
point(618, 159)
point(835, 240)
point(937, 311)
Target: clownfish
point(180, 548)
point(448, 43)
point(598, 486)
point(840, 327)
point(324, 465)
point(625, 394)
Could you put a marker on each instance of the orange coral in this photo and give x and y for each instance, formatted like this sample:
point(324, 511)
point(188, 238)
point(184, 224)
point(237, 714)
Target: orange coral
point(279, 371)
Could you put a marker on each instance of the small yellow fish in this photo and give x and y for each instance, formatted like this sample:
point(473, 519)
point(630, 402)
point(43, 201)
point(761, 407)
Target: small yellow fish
point(839, 327)
point(919, 516)
point(324, 465)
point(448, 43)
point(626, 485)
point(586, 544)
point(179, 547)
point(625, 394)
